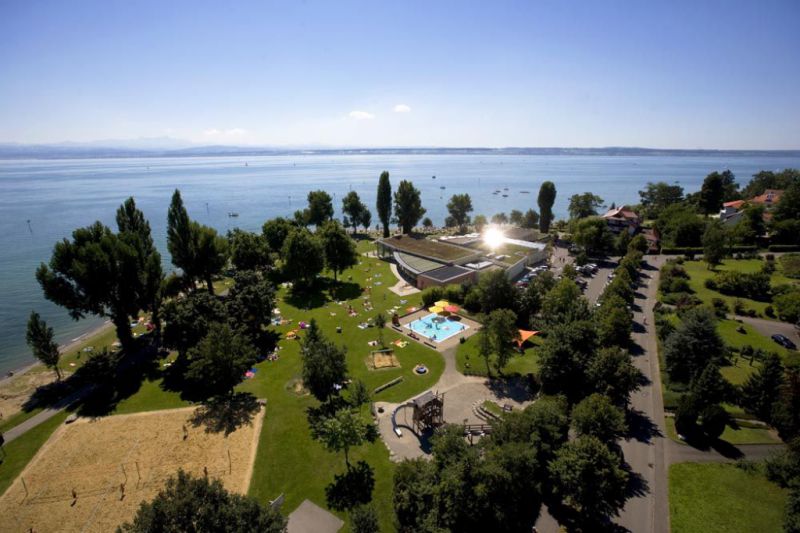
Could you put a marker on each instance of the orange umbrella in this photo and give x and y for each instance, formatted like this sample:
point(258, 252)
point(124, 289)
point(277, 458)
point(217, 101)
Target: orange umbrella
point(452, 308)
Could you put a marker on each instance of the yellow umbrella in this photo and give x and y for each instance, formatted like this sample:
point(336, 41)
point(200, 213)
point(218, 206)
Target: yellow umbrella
point(435, 309)
point(442, 303)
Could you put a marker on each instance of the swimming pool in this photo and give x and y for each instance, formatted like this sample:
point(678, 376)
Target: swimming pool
point(436, 328)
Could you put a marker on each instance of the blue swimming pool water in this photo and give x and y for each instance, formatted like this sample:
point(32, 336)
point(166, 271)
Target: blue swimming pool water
point(435, 330)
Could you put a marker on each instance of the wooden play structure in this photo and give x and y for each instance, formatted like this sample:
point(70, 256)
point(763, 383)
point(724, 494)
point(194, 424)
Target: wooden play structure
point(428, 411)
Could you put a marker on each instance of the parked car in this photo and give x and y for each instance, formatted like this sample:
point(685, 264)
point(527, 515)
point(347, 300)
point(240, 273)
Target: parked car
point(784, 341)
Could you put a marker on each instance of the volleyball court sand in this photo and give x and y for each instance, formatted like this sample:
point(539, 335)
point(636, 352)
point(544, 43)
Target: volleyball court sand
point(115, 463)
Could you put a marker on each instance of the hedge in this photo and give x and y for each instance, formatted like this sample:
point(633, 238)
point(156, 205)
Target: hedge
point(386, 385)
point(784, 248)
point(698, 250)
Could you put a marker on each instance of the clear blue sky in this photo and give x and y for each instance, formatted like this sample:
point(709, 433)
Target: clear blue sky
point(689, 74)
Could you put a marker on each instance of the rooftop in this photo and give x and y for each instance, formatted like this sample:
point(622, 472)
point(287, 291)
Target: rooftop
point(426, 248)
point(621, 212)
point(447, 273)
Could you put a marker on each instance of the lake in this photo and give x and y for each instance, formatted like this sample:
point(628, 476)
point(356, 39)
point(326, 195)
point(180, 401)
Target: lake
point(57, 196)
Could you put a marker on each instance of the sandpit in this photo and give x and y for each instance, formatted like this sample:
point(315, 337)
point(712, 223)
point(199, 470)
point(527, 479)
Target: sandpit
point(140, 451)
point(382, 359)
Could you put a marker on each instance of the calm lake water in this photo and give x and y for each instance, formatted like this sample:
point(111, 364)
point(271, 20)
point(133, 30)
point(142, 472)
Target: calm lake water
point(57, 196)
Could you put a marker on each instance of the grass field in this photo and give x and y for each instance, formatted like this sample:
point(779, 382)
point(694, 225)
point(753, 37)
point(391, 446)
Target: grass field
point(288, 460)
point(95, 458)
point(742, 435)
point(699, 273)
point(710, 498)
point(518, 364)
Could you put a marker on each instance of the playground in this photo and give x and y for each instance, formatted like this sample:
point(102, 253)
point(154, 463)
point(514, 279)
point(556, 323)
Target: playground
point(92, 475)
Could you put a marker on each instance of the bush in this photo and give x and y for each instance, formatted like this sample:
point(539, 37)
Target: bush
point(784, 248)
point(454, 294)
point(787, 306)
point(720, 307)
point(738, 307)
point(755, 286)
point(472, 301)
point(431, 295)
point(769, 311)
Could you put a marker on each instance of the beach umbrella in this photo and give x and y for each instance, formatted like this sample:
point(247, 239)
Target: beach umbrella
point(442, 303)
point(436, 309)
point(452, 308)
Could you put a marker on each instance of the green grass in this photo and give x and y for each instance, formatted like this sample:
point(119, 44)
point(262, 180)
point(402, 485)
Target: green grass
point(19, 452)
point(493, 408)
point(469, 361)
point(742, 435)
point(699, 273)
point(707, 498)
point(288, 460)
point(741, 368)
point(18, 418)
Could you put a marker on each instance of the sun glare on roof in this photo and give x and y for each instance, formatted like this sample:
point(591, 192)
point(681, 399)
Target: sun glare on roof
point(493, 237)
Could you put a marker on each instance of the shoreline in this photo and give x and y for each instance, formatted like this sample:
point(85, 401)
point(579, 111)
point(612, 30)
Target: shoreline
point(63, 348)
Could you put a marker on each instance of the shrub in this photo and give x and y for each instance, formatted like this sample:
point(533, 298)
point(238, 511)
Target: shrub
point(784, 248)
point(431, 295)
point(790, 263)
point(769, 311)
point(454, 294)
point(472, 301)
point(738, 307)
point(770, 257)
point(755, 286)
point(787, 306)
point(720, 307)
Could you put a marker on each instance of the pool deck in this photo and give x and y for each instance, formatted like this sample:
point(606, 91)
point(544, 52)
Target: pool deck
point(450, 342)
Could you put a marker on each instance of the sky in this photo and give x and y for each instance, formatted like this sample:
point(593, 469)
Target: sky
point(693, 74)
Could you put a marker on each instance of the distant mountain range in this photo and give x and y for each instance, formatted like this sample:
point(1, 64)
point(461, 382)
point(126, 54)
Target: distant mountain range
point(168, 147)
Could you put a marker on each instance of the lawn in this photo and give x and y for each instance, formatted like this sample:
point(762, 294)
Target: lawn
point(288, 460)
point(706, 498)
point(742, 435)
point(21, 450)
point(469, 361)
point(699, 273)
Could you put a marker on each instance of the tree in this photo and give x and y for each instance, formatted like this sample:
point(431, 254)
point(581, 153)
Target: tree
point(564, 359)
point(584, 205)
point(791, 520)
point(593, 235)
point(658, 196)
point(343, 431)
point(786, 410)
point(275, 232)
point(516, 217)
point(366, 217)
point(340, 250)
point(180, 237)
point(611, 373)
point(320, 208)
point(546, 199)
point(496, 291)
point(680, 226)
point(380, 323)
point(622, 242)
point(220, 359)
point(717, 188)
point(589, 477)
point(638, 243)
point(564, 303)
point(40, 338)
point(709, 387)
point(787, 306)
point(500, 218)
point(250, 303)
point(249, 251)
point(767, 179)
point(188, 503)
point(324, 364)
point(760, 391)
point(303, 256)
point(189, 318)
point(459, 207)
point(531, 219)
point(503, 332)
point(95, 273)
point(479, 221)
point(788, 207)
point(597, 416)
point(714, 244)
point(211, 254)
point(614, 322)
point(693, 344)
point(364, 519)
point(384, 202)
point(713, 419)
point(352, 208)
point(408, 208)
point(134, 230)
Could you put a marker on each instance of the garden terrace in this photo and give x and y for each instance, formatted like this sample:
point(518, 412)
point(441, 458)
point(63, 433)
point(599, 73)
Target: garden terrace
point(426, 248)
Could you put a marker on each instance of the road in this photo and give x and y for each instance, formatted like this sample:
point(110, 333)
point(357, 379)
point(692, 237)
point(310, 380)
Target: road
point(648, 509)
point(770, 327)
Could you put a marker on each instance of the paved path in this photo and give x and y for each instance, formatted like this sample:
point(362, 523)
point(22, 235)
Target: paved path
point(644, 451)
point(682, 453)
point(39, 418)
point(770, 327)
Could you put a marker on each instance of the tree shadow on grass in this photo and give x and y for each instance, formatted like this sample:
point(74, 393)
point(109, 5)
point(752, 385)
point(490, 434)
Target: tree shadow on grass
point(307, 297)
point(226, 414)
point(514, 388)
point(351, 488)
